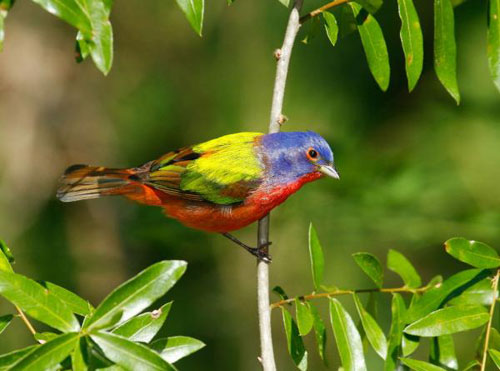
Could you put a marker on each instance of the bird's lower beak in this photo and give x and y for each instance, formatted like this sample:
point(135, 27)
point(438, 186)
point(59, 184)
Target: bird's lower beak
point(329, 171)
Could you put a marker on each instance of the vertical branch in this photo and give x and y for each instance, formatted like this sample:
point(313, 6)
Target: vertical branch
point(283, 60)
point(494, 286)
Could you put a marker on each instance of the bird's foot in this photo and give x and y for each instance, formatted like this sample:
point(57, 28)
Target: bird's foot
point(259, 252)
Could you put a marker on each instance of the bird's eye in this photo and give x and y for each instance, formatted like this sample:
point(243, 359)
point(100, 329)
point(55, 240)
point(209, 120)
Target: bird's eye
point(312, 154)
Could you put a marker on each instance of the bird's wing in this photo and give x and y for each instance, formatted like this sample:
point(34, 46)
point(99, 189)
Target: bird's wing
point(223, 171)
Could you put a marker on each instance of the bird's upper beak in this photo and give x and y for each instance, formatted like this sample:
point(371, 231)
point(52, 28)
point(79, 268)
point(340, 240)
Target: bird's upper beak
point(329, 170)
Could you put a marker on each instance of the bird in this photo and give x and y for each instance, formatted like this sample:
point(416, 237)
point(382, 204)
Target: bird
point(221, 185)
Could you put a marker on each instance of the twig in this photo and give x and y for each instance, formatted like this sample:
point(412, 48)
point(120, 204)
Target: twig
point(26, 320)
point(283, 60)
point(320, 10)
point(350, 292)
point(494, 286)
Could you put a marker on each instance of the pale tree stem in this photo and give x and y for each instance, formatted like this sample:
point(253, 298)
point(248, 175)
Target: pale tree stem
point(494, 286)
point(283, 60)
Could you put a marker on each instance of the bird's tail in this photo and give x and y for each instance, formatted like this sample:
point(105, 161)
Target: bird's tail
point(82, 182)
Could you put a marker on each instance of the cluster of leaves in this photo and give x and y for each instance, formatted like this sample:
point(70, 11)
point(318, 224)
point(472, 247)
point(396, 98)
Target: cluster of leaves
point(113, 336)
point(91, 18)
point(435, 311)
point(360, 15)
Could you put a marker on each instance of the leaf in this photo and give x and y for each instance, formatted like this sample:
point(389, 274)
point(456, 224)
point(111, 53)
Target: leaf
point(436, 297)
point(304, 317)
point(5, 256)
point(449, 320)
point(101, 44)
point(319, 333)
point(479, 293)
point(398, 263)
point(494, 342)
point(8, 360)
point(294, 341)
point(495, 356)
point(412, 41)
point(316, 256)
point(370, 5)
point(48, 355)
point(494, 41)
point(79, 357)
point(474, 253)
point(347, 338)
point(145, 326)
point(410, 343)
point(75, 303)
point(193, 10)
point(417, 365)
point(69, 11)
point(129, 355)
point(373, 332)
point(442, 352)
point(312, 30)
point(136, 294)
point(285, 3)
point(176, 347)
point(445, 50)
point(331, 27)
point(374, 45)
point(472, 365)
point(278, 290)
point(5, 321)
point(398, 309)
point(37, 301)
point(371, 266)
point(43, 337)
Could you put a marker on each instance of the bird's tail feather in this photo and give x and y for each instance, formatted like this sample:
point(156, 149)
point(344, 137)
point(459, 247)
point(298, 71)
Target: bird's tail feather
point(82, 182)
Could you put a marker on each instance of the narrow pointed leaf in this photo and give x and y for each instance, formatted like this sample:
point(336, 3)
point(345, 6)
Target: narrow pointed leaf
point(319, 333)
point(412, 41)
point(8, 360)
point(449, 320)
point(48, 355)
point(43, 337)
point(374, 45)
point(373, 332)
point(399, 264)
point(480, 293)
point(417, 365)
point(347, 338)
point(370, 5)
point(176, 347)
point(285, 3)
point(398, 309)
point(493, 343)
point(409, 344)
point(129, 355)
point(136, 294)
point(5, 258)
point(495, 356)
point(37, 302)
point(445, 49)
point(294, 341)
point(371, 266)
point(101, 45)
point(79, 357)
point(69, 11)
point(472, 365)
point(474, 253)
point(316, 256)
point(5, 321)
point(193, 10)
point(442, 352)
point(145, 326)
point(331, 27)
point(75, 303)
point(304, 317)
point(278, 290)
point(494, 41)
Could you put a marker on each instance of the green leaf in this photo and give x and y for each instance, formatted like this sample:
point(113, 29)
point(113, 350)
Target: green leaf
point(37, 301)
point(412, 41)
point(370, 5)
point(398, 263)
point(48, 355)
point(176, 347)
point(8, 360)
point(319, 333)
point(373, 332)
point(43, 337)
point(371, 266)
point(436, 297)
point(472, 365)
point(145, 326)
point(442, 352)
point(479, 293)
point(347, 338)
point(398, 309)
point(494, 342)
point(193, 10)
point(278, 290)
point(129, 355)
point(374, 45)
point(316, 256)
point(101, 44)
point(79, 357)
point(5, 321)
point(449, 320)
point(494, 41)
point(474, 253)
point(69, 11)
point(417, 365)
point(495, 356)
point(136, 294)
point(445, 50)
point(331, 27)
point(294, 341)
point(5, 257)
point(304, 317)
point(410, 343)
point(75, 303)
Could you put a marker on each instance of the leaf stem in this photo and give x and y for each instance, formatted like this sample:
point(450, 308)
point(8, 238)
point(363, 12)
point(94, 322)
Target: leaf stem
point(494, 286)
point(321, 9)
point(26, 320)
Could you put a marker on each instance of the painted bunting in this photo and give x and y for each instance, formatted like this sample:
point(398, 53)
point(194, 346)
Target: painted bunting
point(218, 186)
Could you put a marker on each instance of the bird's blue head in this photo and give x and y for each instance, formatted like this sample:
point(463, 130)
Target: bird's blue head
point(289, 156)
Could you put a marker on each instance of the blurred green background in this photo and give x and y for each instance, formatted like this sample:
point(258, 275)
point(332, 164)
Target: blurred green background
point(416, 169)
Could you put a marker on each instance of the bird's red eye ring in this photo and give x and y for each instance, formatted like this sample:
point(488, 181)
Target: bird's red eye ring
point(312, 154)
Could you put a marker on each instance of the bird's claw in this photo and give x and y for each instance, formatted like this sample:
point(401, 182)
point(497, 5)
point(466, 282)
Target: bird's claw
point(262, 253)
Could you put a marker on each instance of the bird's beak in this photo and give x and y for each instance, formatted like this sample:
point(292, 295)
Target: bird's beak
point(329, 171)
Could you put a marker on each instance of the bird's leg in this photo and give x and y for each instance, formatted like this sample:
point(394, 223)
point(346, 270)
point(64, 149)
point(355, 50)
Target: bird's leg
point(259, 251)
